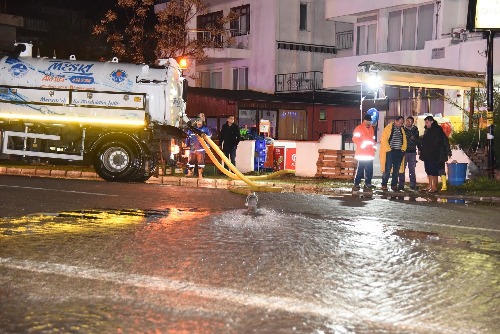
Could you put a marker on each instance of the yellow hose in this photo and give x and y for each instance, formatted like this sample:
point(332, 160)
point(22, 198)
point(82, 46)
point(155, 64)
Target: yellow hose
point(236, 173)
point(234, 176)
point(217, 150)
point(231, 175)
point(272, 175)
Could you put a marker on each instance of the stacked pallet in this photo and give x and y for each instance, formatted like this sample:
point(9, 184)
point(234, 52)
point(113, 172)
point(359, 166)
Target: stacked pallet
point(336, 164)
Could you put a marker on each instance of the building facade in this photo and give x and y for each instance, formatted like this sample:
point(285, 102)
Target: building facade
point(418, 49)
point(275, 48)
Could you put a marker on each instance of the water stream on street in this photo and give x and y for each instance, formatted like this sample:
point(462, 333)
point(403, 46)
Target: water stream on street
point(270, 271)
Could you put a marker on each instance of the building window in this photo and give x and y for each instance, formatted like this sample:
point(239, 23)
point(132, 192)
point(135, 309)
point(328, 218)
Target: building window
point(410, 28)
point(216, 80)
point(303, 17)
point(249, 121)
point(322, 114)
point(209, 79)
point(204, 23)
point(241, 25)
point(204, 79)
point(240, 78)
point(366, 35)
point(212, 126)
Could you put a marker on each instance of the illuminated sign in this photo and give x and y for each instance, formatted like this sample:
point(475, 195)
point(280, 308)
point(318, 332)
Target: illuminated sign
point(483, 15)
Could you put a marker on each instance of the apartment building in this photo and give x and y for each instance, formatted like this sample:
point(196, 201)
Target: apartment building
point(270, 68)
point(415, 48)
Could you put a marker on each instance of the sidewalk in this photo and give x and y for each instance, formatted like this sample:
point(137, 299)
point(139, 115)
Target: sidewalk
point(312, 186)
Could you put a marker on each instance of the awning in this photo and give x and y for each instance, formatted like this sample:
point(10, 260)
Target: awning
point(415, 76)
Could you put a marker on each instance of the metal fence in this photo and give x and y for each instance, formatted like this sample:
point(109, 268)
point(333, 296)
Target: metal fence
point(299, 82)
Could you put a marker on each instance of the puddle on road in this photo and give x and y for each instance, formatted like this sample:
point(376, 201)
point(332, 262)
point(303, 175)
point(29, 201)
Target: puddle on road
point(272, 270)
point(79, 221)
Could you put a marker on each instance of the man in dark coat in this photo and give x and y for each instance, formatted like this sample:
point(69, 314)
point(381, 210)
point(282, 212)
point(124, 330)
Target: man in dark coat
point(434, 150)
point(229, 139)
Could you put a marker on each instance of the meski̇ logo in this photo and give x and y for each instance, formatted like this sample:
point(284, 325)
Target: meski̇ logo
point(18, 70)
point(118, 76)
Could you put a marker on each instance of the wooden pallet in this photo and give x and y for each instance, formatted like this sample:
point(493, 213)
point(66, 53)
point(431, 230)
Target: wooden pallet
point(336, 164)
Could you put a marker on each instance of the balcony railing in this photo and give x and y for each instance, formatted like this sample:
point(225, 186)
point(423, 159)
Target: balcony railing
point(232, 39)
point(298, 82)
point(344, 40)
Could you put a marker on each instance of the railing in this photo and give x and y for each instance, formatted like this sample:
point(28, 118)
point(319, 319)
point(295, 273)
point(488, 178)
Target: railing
point(344, 40)
point(232, 39)
point(298, 82)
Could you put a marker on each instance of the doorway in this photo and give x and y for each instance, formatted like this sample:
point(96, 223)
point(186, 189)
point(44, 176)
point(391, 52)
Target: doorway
point(292, 125)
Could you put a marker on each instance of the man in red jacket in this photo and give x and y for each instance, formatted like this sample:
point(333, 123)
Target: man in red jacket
point(364, 138)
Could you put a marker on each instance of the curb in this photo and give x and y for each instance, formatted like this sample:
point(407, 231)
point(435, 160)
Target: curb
point(223, 183)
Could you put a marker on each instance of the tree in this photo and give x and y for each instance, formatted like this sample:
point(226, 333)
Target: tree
point(135, 33)
point(478, 116)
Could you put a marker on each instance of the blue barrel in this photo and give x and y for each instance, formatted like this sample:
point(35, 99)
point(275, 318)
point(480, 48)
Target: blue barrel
point(457, 173)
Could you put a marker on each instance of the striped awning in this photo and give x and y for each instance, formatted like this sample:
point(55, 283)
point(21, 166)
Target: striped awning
point(415, 76)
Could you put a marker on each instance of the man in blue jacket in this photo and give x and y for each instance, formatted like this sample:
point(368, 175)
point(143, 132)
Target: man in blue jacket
point(196, 151)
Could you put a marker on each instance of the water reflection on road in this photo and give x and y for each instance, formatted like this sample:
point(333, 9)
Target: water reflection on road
point(184, 270)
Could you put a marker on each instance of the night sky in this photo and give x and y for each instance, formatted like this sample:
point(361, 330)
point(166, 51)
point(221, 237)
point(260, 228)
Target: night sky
point(92, 8)
point(58, 34)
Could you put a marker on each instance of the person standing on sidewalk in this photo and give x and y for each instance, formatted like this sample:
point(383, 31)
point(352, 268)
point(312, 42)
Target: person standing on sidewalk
point(434, 151)
point(410, 156)
point(196, 150)
point(364, 138)
point(229, 139)
point(392, 148)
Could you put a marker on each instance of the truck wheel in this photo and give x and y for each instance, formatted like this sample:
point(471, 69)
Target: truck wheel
point(118, 161)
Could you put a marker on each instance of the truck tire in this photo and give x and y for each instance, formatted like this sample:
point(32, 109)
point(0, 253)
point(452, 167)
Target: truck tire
point(118, 161)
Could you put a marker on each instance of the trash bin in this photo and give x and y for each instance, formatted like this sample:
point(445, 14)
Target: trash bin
point(456, 173)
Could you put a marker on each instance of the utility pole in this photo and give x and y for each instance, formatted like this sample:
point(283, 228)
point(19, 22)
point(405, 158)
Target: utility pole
point(489, 96)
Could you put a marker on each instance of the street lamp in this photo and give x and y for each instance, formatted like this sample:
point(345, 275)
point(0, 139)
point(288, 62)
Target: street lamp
point(482, 16)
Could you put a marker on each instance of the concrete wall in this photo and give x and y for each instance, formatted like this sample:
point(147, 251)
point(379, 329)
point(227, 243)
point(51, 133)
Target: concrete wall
point(307, 153)
point(344, 10)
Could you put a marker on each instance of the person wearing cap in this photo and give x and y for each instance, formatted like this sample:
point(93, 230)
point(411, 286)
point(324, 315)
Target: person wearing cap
point(202, 117)
point(196, 150)
point(364, 138)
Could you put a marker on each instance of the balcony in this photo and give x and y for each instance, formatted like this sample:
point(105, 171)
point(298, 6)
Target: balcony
point(344, 40)
point(298, 82)
point(341, 73)
point(223, 47)
point(348, 10)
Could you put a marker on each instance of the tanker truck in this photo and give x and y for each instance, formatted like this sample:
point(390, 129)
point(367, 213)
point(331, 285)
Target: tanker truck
point(121, 118)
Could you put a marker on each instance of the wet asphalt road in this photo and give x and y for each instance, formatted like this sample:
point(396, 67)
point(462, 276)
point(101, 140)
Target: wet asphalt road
point(22, 195)
point(82, 256)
